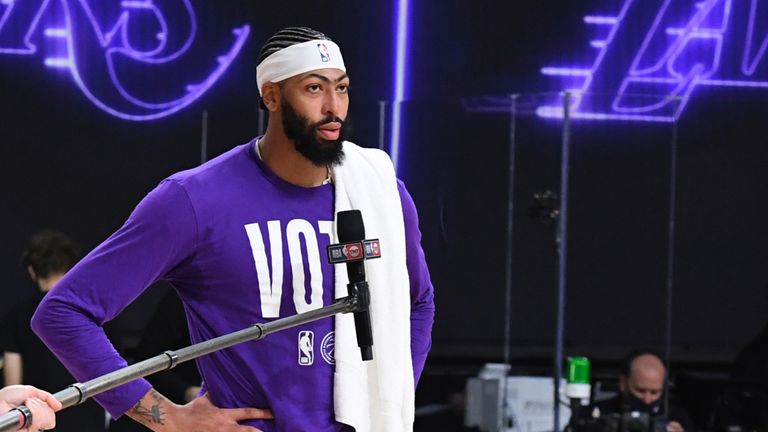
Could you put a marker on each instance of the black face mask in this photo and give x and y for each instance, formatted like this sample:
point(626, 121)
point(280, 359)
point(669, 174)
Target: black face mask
point(634, 404)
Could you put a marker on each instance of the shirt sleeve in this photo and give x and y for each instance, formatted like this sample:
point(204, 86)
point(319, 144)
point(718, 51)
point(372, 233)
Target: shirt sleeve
point(160, 233)
point(422, 291)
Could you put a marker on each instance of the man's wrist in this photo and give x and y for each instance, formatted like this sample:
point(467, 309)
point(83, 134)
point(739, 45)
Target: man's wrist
point(154, 411)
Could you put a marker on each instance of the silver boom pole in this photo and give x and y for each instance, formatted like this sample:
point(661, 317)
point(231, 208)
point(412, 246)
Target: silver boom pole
point(78, 393)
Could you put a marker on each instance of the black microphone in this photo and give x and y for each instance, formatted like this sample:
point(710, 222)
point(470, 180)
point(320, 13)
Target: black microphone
point(350, 228)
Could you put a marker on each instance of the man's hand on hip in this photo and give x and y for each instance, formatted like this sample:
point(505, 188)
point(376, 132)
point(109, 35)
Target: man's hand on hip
point(200, 415)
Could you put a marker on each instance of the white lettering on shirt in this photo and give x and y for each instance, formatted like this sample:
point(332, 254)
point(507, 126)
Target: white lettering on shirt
point(271, 283)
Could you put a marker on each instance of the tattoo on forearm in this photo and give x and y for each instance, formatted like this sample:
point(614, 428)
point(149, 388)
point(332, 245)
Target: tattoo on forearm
point(152, 414)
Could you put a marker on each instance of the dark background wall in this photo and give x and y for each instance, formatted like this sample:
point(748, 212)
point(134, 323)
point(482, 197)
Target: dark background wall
point(67, 165)
point(619, 203)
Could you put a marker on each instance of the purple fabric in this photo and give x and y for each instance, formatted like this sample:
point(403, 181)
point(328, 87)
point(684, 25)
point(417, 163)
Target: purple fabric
point(200, 230)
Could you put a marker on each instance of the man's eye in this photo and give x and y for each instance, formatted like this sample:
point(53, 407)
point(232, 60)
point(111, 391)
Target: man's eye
point(314, 88)
point(344, 88)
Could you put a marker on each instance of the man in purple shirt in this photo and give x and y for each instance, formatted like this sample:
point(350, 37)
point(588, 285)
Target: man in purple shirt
point(240, 238)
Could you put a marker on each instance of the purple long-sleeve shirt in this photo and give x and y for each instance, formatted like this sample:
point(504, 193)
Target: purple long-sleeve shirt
point(241, 246)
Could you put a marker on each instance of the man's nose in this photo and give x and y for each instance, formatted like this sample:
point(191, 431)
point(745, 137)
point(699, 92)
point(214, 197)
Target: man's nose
point(331, 104)
point(647, 398)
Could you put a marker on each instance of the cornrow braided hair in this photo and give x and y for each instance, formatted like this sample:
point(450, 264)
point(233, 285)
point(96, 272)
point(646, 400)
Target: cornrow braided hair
point(287, 37)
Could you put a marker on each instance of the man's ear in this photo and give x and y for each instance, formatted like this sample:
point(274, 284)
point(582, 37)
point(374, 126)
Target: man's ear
point(32, 273)
point(270, 96)
point(622, 383)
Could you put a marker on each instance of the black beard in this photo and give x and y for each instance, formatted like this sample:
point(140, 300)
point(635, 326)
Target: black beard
point(303, 133)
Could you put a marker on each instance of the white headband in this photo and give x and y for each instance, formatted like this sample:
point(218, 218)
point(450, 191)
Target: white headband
point(297, 59)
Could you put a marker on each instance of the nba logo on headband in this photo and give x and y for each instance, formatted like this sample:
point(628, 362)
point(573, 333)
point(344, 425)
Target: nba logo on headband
point(325, 55)
point(297, 59)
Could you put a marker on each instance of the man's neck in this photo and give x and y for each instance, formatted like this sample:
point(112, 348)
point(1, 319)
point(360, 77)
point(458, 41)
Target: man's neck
point(45, 284)
point(279, 153)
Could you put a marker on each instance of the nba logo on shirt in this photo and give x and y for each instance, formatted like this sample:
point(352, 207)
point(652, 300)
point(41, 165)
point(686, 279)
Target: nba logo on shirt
point(325, 55)
point(306, 348)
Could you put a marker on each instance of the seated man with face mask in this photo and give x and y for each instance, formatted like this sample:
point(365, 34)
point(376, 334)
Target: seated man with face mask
point(641, 386)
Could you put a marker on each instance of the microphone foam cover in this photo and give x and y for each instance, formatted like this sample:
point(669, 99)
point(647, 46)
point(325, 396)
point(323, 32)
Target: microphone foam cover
point(349, 226)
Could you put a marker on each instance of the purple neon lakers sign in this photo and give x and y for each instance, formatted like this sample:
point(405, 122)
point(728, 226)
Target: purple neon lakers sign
point(651, 55)
point(112, 49)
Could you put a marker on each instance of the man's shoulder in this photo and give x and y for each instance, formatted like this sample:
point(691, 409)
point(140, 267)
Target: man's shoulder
point(217, 166)
point(217, 175)
point(25, 308)
point(207, 184)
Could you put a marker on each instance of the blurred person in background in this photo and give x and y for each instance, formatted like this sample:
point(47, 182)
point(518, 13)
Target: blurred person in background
point(46, 258)
point(642, 383)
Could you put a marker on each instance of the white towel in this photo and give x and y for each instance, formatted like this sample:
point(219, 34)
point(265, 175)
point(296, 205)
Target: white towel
point(376, 395)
